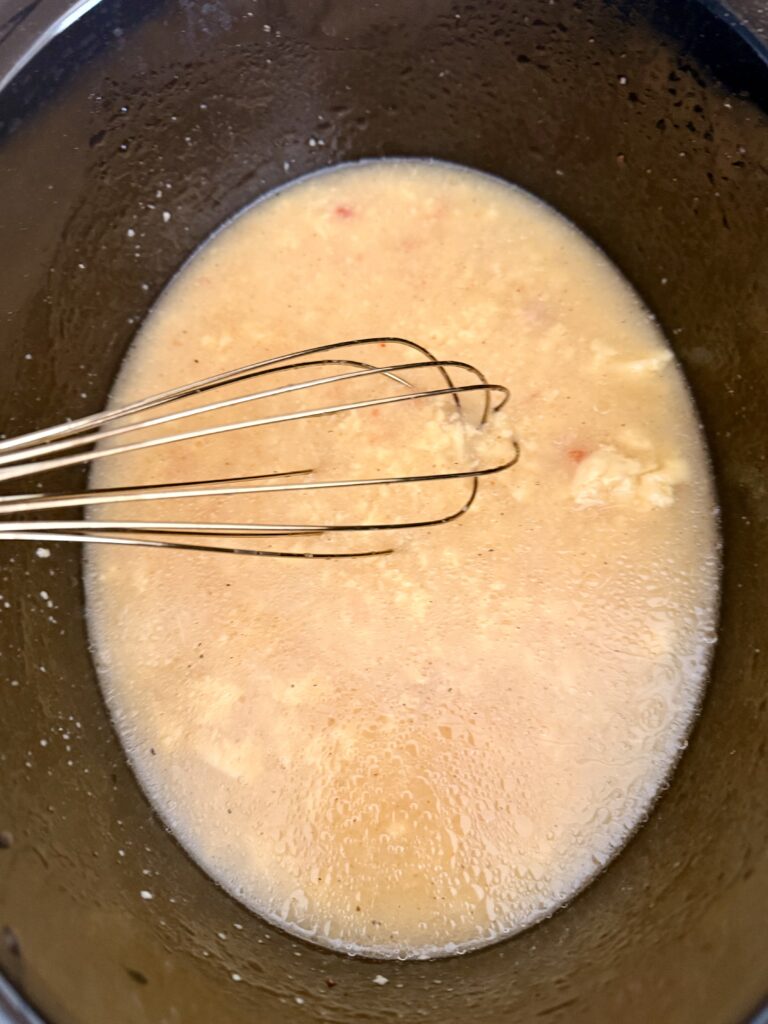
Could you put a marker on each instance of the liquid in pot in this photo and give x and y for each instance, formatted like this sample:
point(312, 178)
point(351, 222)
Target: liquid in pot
point(417, 754)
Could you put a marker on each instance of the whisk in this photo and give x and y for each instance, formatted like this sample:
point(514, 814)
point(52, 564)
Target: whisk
point(80, 442)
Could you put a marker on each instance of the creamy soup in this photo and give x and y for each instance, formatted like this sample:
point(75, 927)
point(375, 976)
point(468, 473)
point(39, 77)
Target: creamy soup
point(417, 753)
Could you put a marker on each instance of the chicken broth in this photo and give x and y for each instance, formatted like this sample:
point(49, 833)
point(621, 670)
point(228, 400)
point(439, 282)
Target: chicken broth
point(418, 753)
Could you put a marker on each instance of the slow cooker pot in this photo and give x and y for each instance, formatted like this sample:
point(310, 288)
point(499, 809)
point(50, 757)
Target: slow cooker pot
point(644, 121)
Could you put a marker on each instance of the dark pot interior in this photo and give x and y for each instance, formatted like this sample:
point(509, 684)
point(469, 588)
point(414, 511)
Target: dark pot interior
point(644, 122)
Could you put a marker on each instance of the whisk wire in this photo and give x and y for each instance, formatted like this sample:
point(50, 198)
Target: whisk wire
point(97, 420)
point(39, 452)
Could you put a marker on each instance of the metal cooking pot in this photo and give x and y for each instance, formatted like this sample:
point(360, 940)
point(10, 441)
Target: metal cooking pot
point(644, 121)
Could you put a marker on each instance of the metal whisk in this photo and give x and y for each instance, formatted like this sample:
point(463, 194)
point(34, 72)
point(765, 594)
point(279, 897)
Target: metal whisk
point(81, 442)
